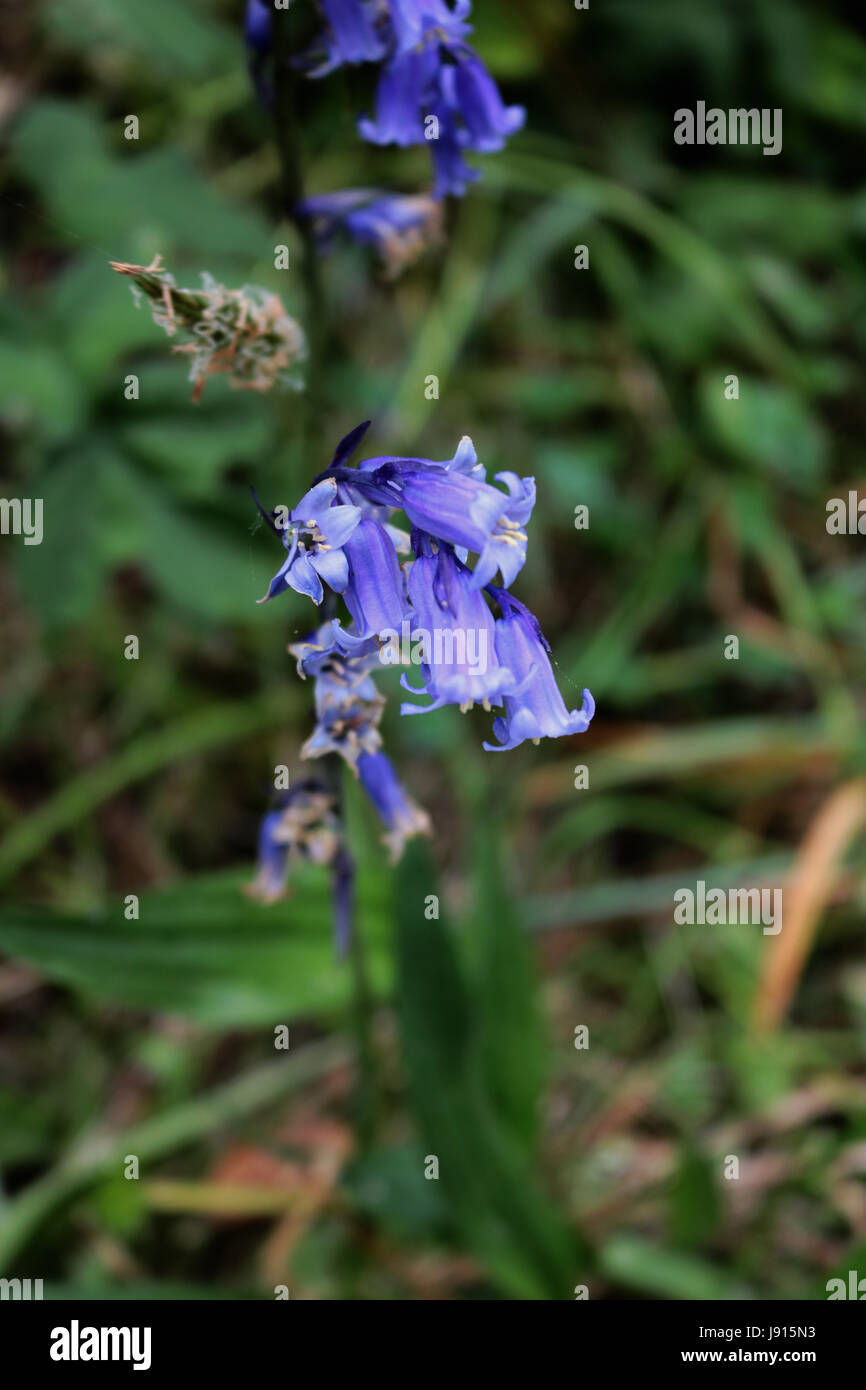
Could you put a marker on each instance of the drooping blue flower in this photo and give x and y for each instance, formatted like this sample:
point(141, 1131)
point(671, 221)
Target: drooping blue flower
point(400, 104)
point(352, 34)
point(258, 33)
point(403, 818)
point(270, 882)
point(399, 227)
point(258, 20)
point(465, 460)
point(452, 502)
point(457, 507)
point(303, 826)
point(451, 174)
point(432, 89)
point(335, 648)
point(415, 21)
point(348, 705)
point(472, 92)
point(348, 726)
point(453, 632)
point(314, 536)
point(376, 592)
point(435, 89)
point(534, 707)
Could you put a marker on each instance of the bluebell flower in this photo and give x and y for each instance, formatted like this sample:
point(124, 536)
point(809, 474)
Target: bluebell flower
point(451, 174)
point(352, 36)
point(471, 90)
point(270, 882)
point(347, 726)
point(428, 70)
point(348, 491)
point(314, 537)
point(452, 502)
point(302, 826)
point(333, 647)
point(348, 705)
point(415, 21)
point(457, 507)
point(258, 20)
point(258, 32)
point(465, 460)
point(454, 633)
point(399, 227)
point(376, 592)
point(433, 73)
point(402, 817)
point(534, 707)
point(400, 99)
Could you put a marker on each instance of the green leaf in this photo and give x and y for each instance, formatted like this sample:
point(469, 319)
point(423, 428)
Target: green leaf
point(502, 1214)
point(854, 1258)
point(650, 1268)
point(89, 518)
point(196, 565)
point(132, 206)
point(769, 426)
point(799, 220)
point(432, 988)
point(27, 1127)
point(118, 515)
point(204, 950)
point(92, 314)
point(510, 1041)
point(764, 1069)
point(191, 451)
point(37, 390)
point(384, 1186)
point(694, 1208)
point(182, 40)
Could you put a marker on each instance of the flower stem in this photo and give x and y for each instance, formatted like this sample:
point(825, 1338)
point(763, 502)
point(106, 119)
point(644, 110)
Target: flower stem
point(286, 135)
point(286, 128)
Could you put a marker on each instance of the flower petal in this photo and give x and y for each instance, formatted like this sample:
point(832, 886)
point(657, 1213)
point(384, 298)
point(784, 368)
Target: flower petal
point(332, 566)
point(303, 578)
point(315, 502)
point(338, 523)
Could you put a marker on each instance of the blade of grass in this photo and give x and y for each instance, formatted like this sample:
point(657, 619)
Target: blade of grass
point(98, 1154)
point(737, 745)
point(537, 172)
point(637, 897)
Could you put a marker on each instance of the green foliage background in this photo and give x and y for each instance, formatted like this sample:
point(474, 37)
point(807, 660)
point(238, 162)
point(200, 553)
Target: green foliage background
point(558, 1167)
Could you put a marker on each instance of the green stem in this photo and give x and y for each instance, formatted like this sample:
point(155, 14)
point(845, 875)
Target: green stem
point(367, 1087)
point(366, 1104)
point(286, 126)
